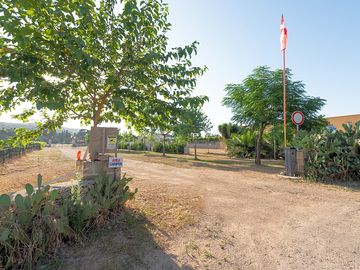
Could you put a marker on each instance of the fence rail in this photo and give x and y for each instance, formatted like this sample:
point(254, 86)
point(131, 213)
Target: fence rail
point(9, 153)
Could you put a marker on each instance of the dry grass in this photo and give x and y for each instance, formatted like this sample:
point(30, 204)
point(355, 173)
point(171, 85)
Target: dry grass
point(49, 162)
point(139, 237)
point(166, 210)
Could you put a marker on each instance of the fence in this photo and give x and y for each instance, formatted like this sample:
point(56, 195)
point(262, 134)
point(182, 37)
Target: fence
point(9, 153)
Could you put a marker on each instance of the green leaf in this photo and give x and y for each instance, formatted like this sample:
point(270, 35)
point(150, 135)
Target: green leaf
point(54, 194)
point(4, 234)
point(19, 202)
point(5, 201)
point(25, 31)
point(39, 181)
point(29, 189)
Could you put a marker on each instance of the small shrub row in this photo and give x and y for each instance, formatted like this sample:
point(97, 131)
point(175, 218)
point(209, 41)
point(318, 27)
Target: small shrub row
point(38, 144)
point(34, 225)
point(139, 146)
point(170, 148)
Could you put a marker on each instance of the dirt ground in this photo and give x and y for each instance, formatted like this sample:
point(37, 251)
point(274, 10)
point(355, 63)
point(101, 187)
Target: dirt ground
point(219, 213)
point(51, 163)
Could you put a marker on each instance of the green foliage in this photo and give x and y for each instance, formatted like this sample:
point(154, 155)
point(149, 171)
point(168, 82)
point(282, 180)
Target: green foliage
point(242, 145)
point(257, 102)
point(127, 137)
point(210, 138)
point(227, 129)
point(36, 224)
point(128, 140)
point(123, 145)
point(332, 155)
point(110, 193)
point(193, 123)
point(94, 61)
point(41, 145)
point(29, 226)
point(170, 147)
point(139, 146)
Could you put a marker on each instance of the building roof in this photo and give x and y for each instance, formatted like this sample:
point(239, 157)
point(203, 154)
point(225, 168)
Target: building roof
point(340, 116)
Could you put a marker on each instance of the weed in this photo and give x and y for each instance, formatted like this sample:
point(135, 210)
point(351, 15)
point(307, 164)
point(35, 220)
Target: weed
point(208, 255)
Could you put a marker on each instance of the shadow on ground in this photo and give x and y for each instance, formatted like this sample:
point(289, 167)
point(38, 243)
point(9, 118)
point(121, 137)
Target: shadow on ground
point(214, 161)
point(128, 243)
point(239, 166)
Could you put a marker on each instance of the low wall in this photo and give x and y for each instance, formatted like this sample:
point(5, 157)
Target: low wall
point(207, 145)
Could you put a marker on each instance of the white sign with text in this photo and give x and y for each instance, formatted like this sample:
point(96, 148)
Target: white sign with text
point(115, 162)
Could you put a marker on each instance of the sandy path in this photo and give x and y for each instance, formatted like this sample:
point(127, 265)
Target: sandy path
point(254, 220)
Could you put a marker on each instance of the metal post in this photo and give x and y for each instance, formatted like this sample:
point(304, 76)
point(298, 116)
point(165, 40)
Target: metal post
point(284, 83)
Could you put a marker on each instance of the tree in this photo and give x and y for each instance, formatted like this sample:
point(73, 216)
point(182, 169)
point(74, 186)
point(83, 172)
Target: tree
point(257, 102)
point(96, 61)
point(227, 129)
point(193, 123)
point(168, 124)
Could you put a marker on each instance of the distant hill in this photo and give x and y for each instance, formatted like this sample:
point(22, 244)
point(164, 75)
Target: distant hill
point(6, 125)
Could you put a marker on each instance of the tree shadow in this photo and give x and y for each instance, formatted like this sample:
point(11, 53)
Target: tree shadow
point(131, 152)
point(127, 243)
point(239, 165)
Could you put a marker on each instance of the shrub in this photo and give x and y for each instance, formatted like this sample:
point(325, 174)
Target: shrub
point(123, 145)
point(38, 144)
point(332, 155)
point(170, 147)
point(242, 145)
point(140, 146)
point(34, 225)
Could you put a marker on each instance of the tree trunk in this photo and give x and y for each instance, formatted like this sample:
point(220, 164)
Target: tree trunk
point(195, 149)
point(275, 154)
point(95, 118)
point(164, 136)
point(259, 145)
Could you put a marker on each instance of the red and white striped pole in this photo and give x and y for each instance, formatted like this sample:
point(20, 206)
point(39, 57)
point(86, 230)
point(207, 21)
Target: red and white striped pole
point(283, 42)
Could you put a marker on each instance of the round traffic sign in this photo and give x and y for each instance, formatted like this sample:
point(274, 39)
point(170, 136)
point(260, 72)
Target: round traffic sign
point(298, 118)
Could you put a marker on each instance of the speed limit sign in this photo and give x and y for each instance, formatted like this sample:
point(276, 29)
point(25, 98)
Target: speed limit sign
point(298, 118)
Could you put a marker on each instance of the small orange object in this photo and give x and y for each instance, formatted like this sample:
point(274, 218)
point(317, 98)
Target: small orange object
point(78, 155)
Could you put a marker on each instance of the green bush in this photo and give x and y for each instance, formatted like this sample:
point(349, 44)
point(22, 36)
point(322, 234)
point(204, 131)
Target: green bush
point(140, 146)
point(123, 145)
point(170, 147)
point(332, 155)
point(36, 224)
point(41, 145)
point(242, 145)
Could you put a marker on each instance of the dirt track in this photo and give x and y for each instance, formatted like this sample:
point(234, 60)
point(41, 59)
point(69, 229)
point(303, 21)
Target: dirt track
point(252, 219)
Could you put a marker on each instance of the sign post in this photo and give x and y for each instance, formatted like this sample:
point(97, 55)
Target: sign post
point(298, 119)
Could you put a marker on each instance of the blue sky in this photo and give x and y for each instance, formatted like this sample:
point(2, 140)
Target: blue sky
point(236, 36)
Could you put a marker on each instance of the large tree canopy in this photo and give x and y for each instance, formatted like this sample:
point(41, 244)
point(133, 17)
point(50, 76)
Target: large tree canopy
point(95, 61)
point(258, 102)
